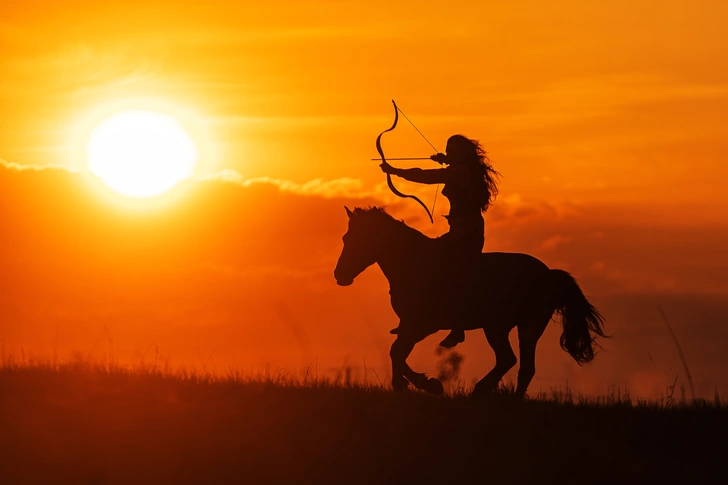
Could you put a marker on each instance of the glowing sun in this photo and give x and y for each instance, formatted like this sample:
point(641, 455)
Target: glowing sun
point(141, 153)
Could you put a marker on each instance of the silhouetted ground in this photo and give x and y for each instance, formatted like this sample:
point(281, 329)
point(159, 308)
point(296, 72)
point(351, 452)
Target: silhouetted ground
point(84, 425)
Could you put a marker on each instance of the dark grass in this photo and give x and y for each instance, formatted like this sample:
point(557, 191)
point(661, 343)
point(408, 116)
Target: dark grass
point(85, 424)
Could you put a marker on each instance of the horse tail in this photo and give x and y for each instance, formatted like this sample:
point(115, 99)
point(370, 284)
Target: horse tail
point(581, 320)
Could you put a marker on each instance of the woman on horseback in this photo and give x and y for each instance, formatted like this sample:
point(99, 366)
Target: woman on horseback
point(470, 187)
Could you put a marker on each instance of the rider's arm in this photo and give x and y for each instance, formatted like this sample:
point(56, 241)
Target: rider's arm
point(457, 175)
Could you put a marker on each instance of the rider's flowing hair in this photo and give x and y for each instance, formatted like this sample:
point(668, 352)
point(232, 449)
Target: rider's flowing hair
point(477, 159)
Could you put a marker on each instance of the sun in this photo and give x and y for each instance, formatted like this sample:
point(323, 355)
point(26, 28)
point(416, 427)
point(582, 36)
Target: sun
point(141, 153)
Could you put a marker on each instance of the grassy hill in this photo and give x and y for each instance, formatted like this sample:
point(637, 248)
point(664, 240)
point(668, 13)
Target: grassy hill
point(79, 424)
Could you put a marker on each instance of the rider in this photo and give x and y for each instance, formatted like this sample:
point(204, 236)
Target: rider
point(470, 186)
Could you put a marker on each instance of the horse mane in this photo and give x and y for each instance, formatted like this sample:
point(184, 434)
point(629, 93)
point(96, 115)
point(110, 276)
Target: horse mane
point(380, 217)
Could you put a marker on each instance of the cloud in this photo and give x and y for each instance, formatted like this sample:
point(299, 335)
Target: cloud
point(554, 241)
point(513, 207)
point(226, 175)
point(344, 187)
point(36, 168)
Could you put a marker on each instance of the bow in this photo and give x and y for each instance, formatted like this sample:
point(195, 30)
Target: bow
point(384, 160)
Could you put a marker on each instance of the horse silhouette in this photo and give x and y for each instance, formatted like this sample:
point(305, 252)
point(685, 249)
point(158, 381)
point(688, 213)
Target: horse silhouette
point(499, 292)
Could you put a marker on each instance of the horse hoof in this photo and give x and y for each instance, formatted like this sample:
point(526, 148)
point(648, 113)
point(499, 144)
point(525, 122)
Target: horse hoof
point(482, 391)
point(434, 386)
point(400, 384)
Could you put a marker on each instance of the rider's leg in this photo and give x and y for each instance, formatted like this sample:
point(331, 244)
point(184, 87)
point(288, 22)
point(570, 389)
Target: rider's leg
point(462, 261)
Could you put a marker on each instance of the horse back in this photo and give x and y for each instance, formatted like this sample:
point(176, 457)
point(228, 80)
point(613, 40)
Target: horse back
point(509, 275)
point(508, 263)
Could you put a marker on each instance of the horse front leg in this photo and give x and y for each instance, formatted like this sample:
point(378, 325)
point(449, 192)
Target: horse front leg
point(401, 371)
point(401, 348)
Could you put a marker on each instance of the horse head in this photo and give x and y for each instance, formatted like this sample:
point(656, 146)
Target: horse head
point(362, 246)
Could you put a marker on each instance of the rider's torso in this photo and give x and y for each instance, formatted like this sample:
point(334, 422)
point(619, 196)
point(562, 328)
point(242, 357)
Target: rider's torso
point(465, 213)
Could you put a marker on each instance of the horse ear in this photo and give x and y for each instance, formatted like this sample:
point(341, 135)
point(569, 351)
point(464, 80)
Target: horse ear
point(348, 212)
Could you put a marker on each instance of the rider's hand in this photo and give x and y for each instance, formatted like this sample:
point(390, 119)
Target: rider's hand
point(440, 158)
point(387, 168)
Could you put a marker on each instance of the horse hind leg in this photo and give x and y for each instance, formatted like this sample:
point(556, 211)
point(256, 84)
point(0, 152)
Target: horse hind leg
point(528, 336)
point(505, 359)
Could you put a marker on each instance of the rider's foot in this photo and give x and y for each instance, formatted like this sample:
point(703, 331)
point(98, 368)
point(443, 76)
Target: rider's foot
point(454, 337)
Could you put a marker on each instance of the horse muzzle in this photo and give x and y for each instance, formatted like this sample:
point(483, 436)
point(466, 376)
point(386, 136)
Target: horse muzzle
point(344, 281)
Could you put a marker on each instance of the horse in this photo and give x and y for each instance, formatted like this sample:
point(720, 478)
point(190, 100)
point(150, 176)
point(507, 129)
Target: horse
point(500, 291)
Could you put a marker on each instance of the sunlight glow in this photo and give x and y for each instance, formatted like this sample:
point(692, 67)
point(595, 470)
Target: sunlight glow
point(141, 153)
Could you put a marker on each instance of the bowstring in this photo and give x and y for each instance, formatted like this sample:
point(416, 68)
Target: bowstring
point(437, 190)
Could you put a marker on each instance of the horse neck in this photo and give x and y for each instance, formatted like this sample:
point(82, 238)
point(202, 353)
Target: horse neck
point(403, 258)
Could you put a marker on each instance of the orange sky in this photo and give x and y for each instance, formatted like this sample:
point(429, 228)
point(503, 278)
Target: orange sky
point(607, 122)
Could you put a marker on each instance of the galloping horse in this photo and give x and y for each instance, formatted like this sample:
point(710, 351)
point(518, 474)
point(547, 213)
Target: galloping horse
point(505, 290)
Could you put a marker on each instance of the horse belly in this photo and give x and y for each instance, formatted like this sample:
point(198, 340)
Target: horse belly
point(427, 314)
point(498, 304)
